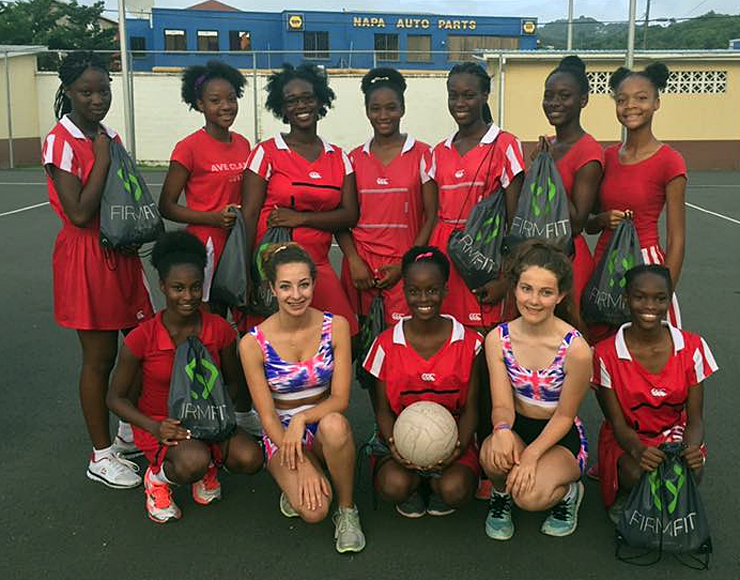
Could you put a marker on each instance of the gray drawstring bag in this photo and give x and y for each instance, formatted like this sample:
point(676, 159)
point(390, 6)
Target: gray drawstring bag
point(262, 302)
point(664, 513)
point(603, 300)
point(198, 397)
point(542, 211)
point(128, 214)
point(476, 250)
point(230, 282)
point(371, 328)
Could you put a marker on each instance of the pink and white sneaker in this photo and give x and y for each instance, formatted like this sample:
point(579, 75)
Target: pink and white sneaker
point(208, 489)
point(159, 503)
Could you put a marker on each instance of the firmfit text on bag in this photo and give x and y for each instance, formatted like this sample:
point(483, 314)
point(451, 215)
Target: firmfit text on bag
point(128, 214)
point(198, 397)
point(231, 279)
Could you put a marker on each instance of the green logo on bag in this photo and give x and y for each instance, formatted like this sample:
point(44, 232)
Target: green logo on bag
point(496, 222)
point(130, 183)
point(674, 488)
point(208, 383)
point(626, 263)
point(537, 191)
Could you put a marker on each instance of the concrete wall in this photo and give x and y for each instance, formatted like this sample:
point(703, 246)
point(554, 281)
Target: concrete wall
point(24, 116)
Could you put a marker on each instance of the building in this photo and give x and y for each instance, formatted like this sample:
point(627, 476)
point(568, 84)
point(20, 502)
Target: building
point(333, 39)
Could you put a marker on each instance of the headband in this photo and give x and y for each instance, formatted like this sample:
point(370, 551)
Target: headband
point(199, 81)
point(424, 256)
point(379, 79)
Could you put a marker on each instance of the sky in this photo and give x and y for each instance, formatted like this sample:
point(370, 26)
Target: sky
point(543, 10)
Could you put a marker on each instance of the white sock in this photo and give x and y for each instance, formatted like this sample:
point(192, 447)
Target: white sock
point(125, 432)
point(571, 493)
point(99, 454)
point(160, 477)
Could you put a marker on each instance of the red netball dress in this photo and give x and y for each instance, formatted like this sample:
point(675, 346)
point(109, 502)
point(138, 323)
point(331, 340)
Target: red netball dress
point(152, 345)
point(582, 152)
point(216, 169)
point(462, 182)
point(444, 378)
point(652, 404)
point(391, 215)
point(640, 187)
point(94, 288)
point(311, 186)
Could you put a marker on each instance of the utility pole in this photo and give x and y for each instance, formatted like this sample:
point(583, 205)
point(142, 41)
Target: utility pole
point(630, 57)
point(128, 105)
point(647, 23)
point(570, 25)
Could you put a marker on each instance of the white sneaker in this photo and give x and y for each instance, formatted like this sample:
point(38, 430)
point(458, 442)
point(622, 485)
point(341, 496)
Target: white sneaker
point(114, 471)
point(250, 422)
point(126, 449)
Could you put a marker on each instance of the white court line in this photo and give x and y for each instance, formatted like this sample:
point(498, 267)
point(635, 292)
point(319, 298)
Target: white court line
point(19, 210)
point(714, 213)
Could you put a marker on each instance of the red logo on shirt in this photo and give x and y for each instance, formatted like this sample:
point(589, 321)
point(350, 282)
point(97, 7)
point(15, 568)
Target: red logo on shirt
point(314, 175)
point(238, 166)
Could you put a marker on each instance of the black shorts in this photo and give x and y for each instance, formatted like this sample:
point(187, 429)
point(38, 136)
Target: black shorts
point(529, 429)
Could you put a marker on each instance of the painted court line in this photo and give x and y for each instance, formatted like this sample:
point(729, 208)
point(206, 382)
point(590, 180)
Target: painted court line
point(19, 210)
point(714, 213)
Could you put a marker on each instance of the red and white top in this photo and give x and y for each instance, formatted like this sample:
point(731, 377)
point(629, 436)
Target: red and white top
point(67, 148)
point(444, 378)
point(151, 344)
point(310, 186)
point(653, 403)
point(465, 180)
point(390, 198)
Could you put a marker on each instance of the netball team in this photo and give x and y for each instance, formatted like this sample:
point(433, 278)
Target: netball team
point(510, 360)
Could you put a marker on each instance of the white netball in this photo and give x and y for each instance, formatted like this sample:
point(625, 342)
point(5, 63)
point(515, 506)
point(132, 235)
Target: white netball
point(425, 433)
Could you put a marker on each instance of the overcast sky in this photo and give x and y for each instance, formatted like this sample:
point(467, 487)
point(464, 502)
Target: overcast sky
point(544, 10)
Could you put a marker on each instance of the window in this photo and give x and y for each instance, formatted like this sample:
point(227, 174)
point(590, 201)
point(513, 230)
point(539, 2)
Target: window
point(240, 40)
point(386, 46)
point(137, 45)
point(419, 48)
point(462, 47)
point(208, 40)
point(316, 44)
point(175, 40)
point(680, 82)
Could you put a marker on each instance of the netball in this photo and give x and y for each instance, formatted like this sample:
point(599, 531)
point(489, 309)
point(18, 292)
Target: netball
point(425, 433)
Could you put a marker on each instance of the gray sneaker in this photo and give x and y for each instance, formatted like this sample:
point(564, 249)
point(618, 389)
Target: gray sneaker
point(437, 507)
point(563, 519)
point(126, 449)
point(413, 507)
point(286, 509)
point(348, 532)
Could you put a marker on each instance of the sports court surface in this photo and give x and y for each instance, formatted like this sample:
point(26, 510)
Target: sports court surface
point(58, 524)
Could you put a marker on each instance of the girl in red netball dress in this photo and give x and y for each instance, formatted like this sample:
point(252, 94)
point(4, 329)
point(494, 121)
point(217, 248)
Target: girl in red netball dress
point(641, 176)
point(469, 165)
point(208, 165)
point(297, 180)
point(578, 156)
point(97, 292)
point(649, 380)
point(398, 200)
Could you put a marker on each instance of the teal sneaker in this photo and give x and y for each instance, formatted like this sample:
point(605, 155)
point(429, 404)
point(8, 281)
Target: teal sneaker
point(437, 507)
point(286, 509)
point(499, 525)
point(563, 519)
point(414, 507)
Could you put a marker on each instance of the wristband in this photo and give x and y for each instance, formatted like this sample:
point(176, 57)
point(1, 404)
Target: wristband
point(502, 427)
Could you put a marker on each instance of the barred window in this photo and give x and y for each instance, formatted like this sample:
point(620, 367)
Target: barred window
point(681, 82)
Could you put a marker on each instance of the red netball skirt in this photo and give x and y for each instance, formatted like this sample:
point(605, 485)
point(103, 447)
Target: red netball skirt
point(394, 301)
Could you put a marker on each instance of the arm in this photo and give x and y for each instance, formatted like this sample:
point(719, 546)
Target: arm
point(583, 196)
point(431, 202)
point(675, 195)
point(254, 191)
point(233, 376)
point(468, 421)
point(82, 203)
point(693, 435)
point(602, 220)
point(362, 277)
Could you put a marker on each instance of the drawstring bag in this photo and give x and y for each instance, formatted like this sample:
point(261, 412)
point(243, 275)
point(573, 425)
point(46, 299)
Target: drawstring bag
point(371, 328)
point(664, 513)
point(476, 250)
point(542, 211)
point(263, 302)
point(198, 397)
point(128, 214)
point(230, 282)
point(603, 300)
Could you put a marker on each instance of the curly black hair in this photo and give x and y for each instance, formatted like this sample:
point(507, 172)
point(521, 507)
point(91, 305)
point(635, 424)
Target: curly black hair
point(657, 73)
point(195, 77)
point(640, 270)
point(473, 68)
point(306, 72)
point(426, 255)
point(382, 77)
point(576, 68)
point(174, 248)
point(70, 69)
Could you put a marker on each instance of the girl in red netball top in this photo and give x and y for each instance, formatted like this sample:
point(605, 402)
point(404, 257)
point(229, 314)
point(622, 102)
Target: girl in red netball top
point(398, 200)
point(208, 165)
point(540, 367)
point(149, 351)
point(426, 357)
point(649, 380)
point(97, 292)
point(471, 164)
point(641, 176)
point(299, 181)
point(578, 156)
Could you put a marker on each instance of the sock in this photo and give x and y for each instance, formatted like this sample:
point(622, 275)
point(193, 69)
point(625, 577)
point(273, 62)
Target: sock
point(125, 432)
point(571, 493)
point(497, 492)
point(99, 454)
point(160, 477)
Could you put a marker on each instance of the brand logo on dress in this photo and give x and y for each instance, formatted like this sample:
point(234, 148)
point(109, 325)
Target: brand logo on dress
point(314, 175)
point(658, 392)
point(459, 173)
point(474, 317)
point(382, 181)
point(397, 316)
point(428, 377)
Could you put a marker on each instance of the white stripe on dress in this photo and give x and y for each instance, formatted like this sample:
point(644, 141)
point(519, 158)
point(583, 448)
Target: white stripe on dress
point(259, 155)
point(709, 356)
point(66, 163)
point(377, 361)
point(49, 151)
point(606, 379)
point(210, 269)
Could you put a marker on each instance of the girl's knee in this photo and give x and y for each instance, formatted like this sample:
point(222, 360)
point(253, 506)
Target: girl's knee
point(335, 430)
point(395, 486)
point(455, 490)
point(535, 500)
point(244, 456)
point(189, 465)
point(316, 515)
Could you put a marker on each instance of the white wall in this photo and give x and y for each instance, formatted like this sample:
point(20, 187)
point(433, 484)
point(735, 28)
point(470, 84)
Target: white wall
point(161, 118)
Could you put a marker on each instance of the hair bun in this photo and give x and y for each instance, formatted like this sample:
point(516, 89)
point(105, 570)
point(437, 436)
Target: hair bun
point(658, 73)
point(383, 75)
point(573, 61)
point(617, 77)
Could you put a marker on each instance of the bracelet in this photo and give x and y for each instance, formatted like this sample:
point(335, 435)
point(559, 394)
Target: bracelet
point(502, 427)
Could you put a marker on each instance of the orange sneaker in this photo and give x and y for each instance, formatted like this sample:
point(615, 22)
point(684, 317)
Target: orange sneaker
point(207, 489)
point(159, 503)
